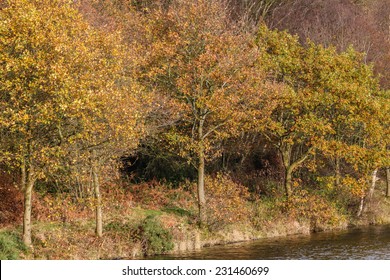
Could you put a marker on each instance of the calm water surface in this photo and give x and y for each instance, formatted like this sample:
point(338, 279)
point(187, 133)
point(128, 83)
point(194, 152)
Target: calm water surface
point(364, 243)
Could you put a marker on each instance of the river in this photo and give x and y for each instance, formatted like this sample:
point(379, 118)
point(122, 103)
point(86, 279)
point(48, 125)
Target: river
point(354, 244)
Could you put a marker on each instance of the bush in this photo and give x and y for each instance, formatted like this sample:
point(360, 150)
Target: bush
point(154, 238)
point(315, 208)
point(150, 233)
point(10, 246)
point(346, 196)
point(265, 212)
point(123, 230)
point(226, 202)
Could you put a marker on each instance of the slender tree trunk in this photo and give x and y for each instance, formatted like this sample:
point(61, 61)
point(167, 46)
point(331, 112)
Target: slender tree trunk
point(201, 167)
point(361, 207)
point(337, 171)
point(388, 181)
point(23, 173)
point(201, 194)
point(365, 201)
point(286, 157)
point(27, 213)
point(371, 190)
point(27, 181)
point(373, 183)
point(96, 186)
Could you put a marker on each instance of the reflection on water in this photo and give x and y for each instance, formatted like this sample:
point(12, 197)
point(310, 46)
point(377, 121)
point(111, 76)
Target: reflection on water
point(365, 243)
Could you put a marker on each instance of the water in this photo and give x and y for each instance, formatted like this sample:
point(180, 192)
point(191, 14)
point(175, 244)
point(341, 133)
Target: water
point(356, 244)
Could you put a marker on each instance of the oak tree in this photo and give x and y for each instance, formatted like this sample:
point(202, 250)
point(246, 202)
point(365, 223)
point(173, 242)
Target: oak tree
point(57, 78)
point(205, 65)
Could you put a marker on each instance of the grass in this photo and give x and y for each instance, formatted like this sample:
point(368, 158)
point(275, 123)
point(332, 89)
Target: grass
point(11, 246)
point(178, 211)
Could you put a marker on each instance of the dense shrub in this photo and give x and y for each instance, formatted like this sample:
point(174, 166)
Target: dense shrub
point(305, 205)
point(150, 233)
point(266, 211)
point(154, 238)
point(226, 201)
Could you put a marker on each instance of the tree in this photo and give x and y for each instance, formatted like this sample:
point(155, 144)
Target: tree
point(113, 122)
point(362, 24)
point(384, 140)
point(293, 125)
point(54, 70)
point(323, 99)
point(205, 65)
point(253, 11)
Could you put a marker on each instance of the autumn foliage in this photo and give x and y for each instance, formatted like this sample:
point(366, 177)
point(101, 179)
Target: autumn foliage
point(92, 94)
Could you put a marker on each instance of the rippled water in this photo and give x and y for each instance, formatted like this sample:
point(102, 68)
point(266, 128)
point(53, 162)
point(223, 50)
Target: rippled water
point(364, 243)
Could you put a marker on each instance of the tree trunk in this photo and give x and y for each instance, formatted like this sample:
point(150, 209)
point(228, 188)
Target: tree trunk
point(361, 207)
point(23, 177)
point(388, 181)
point(96, 186)
point(27, 181)
point(288, 181)
point(201, 167)
point(371, 190)
point(289, 166)
point(337, 171)
point(286, 157)
point(201, 195)
point(373, 182)
point(365, 201)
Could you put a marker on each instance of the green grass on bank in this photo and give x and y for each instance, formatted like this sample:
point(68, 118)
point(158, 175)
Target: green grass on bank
point(11, 246)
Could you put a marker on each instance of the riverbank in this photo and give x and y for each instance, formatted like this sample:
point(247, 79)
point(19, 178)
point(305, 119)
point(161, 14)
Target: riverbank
point(360, 243)
point(134, 232)
point(77, 240)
